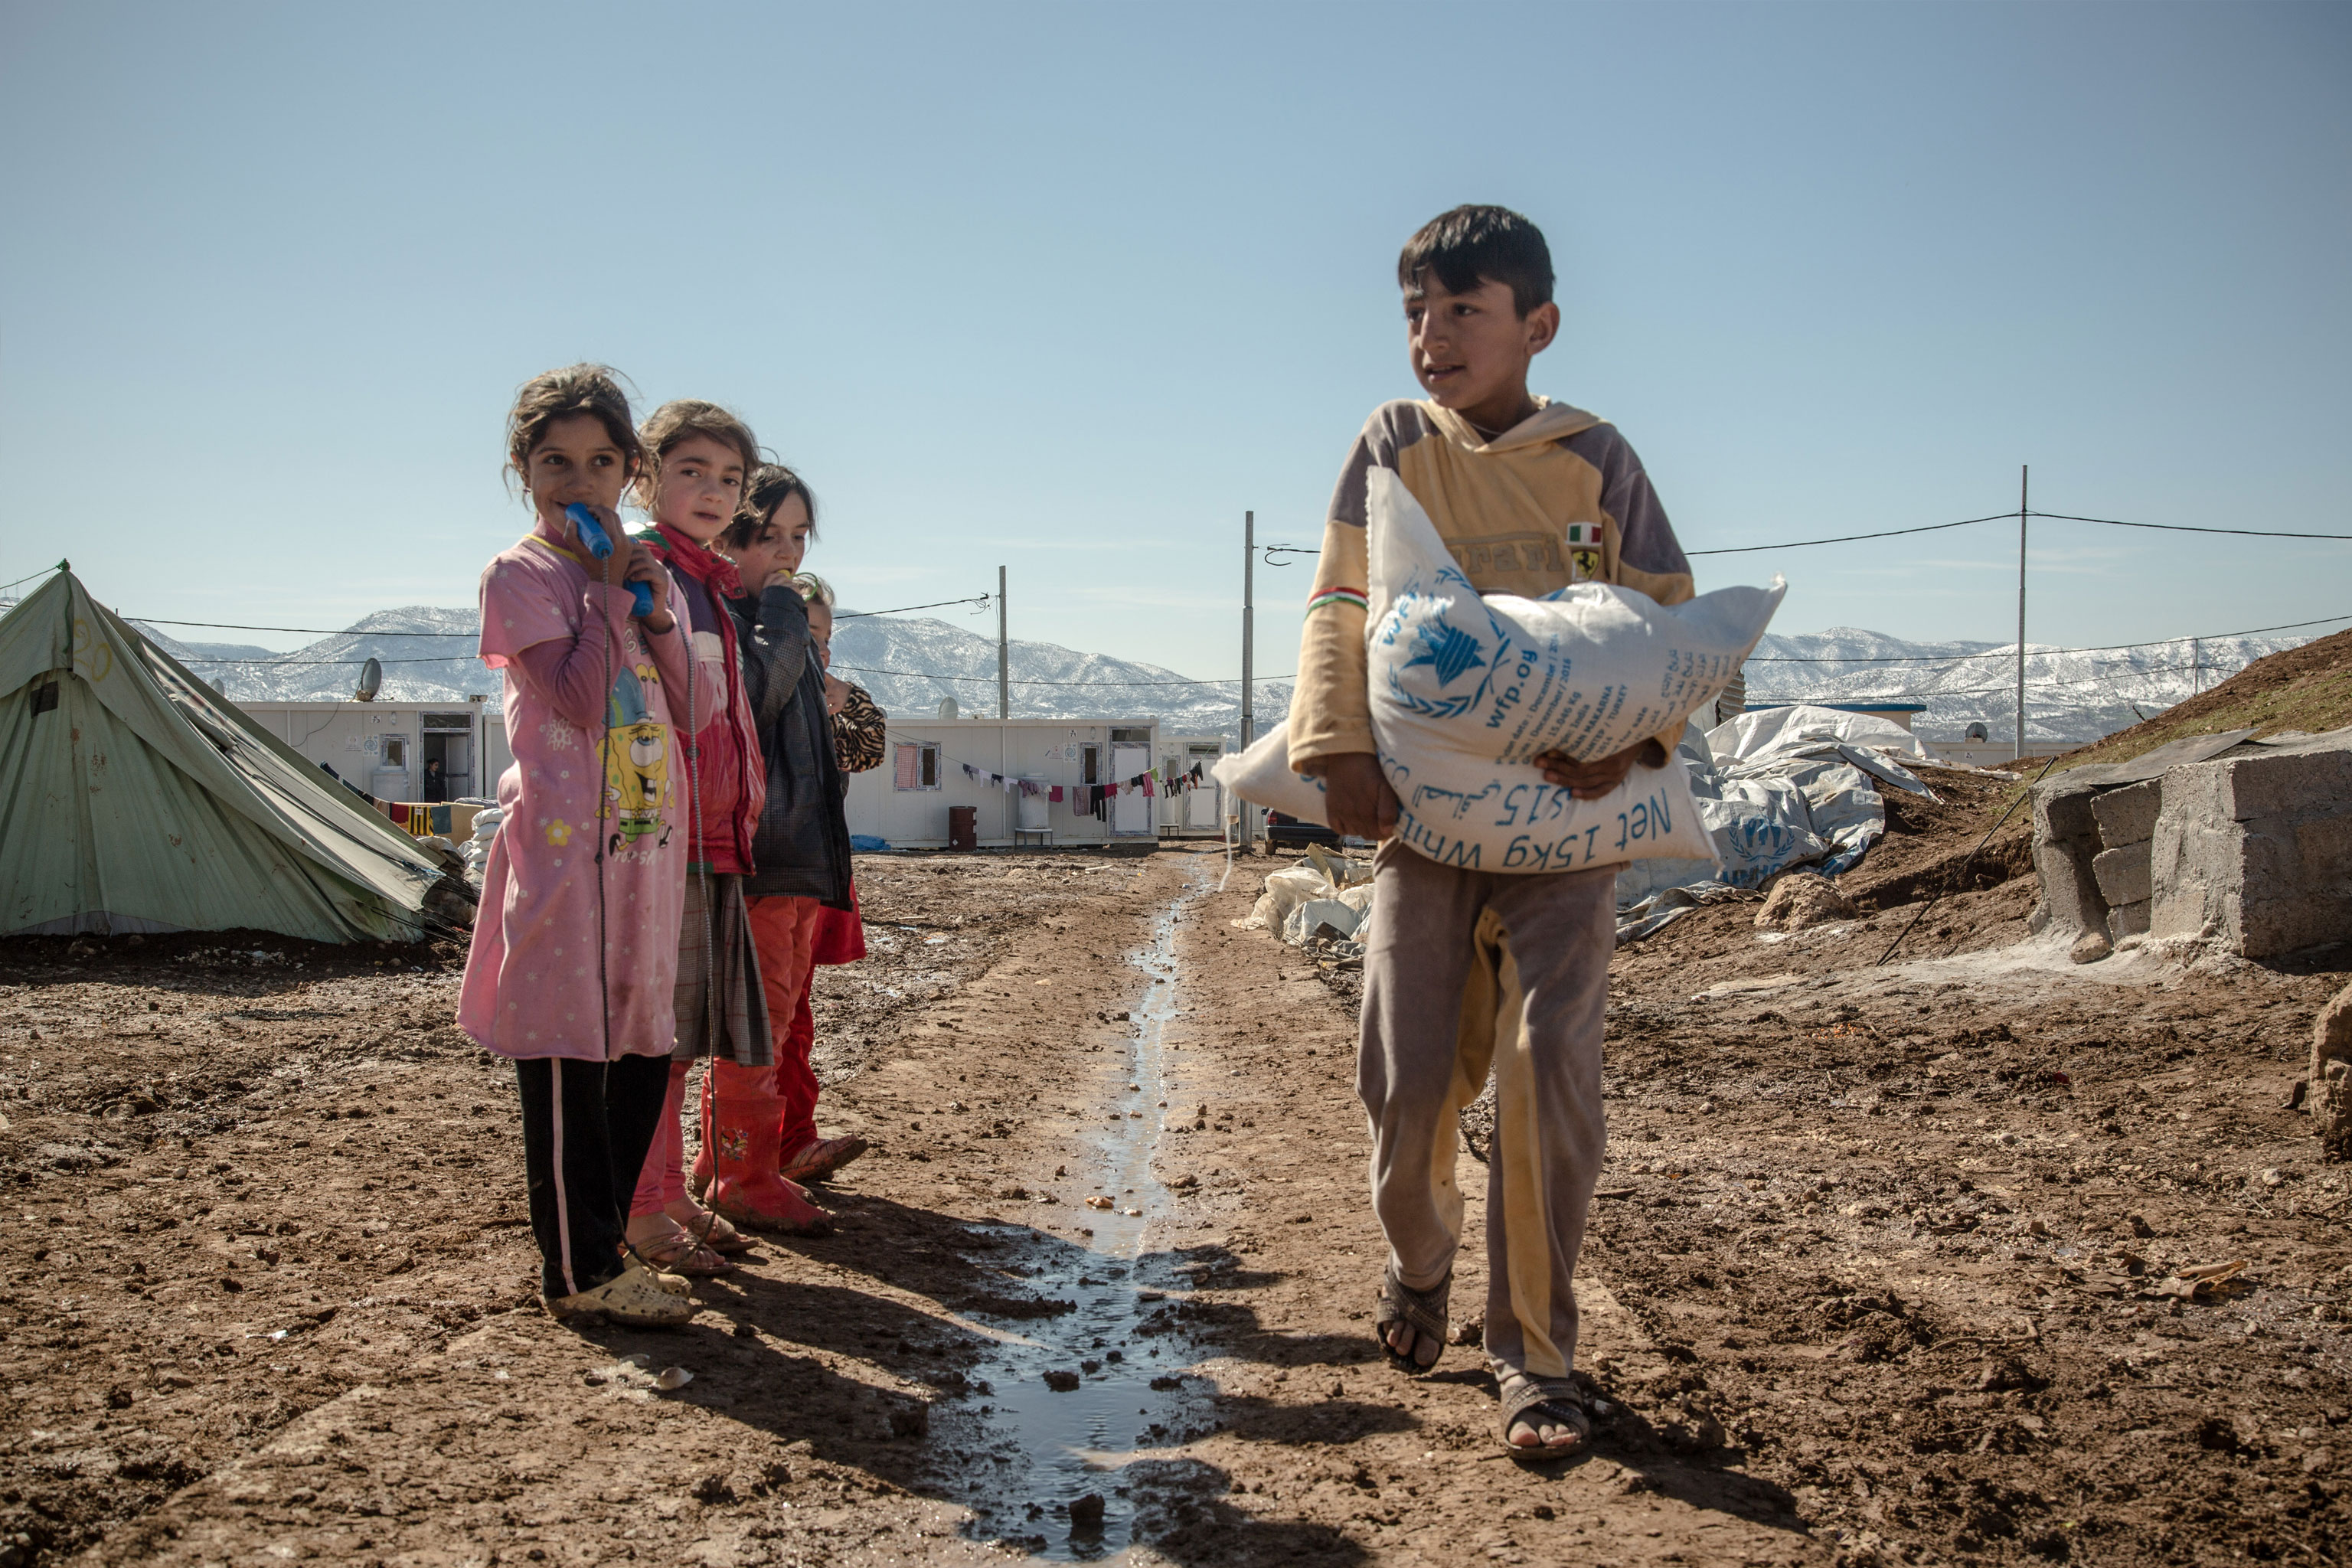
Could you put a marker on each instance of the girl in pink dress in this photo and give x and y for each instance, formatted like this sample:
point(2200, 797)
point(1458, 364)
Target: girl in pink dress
point(575, 947)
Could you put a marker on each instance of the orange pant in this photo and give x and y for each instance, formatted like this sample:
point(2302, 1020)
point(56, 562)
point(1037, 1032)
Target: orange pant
point(784, 931)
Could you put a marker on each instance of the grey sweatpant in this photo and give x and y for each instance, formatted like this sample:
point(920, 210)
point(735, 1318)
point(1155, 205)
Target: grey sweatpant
point(1465, 970)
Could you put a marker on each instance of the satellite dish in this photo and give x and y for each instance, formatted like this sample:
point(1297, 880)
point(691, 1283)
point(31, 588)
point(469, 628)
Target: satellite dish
point(370, 682)
point(1977, 733)
point(948, 708)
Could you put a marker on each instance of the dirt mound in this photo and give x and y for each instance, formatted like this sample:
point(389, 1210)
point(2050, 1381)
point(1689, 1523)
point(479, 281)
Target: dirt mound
point(1930, 847)
point(1802, 898)
point(2307, 687)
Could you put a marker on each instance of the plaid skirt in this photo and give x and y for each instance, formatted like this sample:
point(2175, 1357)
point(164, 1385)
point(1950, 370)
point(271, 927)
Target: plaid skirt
point(727, 1012)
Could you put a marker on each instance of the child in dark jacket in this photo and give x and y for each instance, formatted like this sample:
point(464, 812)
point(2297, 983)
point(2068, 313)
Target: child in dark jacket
point(800, 853)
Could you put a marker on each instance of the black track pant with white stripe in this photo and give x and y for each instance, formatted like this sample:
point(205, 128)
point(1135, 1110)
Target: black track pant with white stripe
point(585, 1130)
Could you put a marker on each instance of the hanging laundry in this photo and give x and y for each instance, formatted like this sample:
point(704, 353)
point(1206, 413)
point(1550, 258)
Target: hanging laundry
point(1055, 795)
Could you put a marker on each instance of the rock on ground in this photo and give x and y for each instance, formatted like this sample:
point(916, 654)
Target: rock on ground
point(1797, 900)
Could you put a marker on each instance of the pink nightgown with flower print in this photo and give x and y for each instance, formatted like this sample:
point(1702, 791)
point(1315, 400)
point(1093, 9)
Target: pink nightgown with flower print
point(532, 987)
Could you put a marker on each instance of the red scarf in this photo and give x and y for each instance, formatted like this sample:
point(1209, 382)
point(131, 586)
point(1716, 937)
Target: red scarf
point(719, 576)
point(696, 560)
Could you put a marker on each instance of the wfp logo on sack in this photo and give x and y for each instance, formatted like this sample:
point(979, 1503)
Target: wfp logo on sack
point(1439, 652)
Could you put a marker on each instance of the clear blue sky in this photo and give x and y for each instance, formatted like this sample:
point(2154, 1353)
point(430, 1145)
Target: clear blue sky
point(1068, 287)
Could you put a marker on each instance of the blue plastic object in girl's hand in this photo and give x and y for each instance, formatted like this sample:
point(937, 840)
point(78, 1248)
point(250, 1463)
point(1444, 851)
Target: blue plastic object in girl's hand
point(600, 545)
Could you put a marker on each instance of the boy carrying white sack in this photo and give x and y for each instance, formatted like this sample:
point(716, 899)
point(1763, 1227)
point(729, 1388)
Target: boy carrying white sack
point(1466, 968)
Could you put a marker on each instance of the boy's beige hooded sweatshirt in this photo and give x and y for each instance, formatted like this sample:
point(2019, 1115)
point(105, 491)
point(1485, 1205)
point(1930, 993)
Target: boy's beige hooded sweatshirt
point(1557, 499)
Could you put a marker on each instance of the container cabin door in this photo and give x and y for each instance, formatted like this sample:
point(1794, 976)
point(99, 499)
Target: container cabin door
point(1131, 809)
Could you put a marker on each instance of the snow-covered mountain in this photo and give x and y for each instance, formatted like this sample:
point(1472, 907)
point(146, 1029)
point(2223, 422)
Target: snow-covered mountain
point(911, 663)
point(2071, 694)
point(416, 668)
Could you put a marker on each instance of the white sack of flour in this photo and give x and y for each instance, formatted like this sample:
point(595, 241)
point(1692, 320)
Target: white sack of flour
point(1467, 691)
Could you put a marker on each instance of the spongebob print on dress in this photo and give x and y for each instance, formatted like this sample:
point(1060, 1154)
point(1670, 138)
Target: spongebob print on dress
point(636, 763)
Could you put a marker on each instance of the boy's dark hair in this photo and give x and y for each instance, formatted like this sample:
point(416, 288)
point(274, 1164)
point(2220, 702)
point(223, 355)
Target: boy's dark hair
point(591, 389)
point(680, 417)
point(1475, 245)
point(769, 487)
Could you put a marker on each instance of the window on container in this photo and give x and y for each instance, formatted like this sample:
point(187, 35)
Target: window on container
point(1090, 764)
point(914, 766)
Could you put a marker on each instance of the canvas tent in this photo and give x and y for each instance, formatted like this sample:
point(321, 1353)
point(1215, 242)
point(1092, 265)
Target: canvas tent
point(136, 799)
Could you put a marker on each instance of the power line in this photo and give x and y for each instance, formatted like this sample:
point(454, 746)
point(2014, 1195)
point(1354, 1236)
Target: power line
point(292, 663)
point(385, 632)
point(2185, 528)
point(990, 680)
point(1272, 550)
point(1851, 538)
point(938, 604)
point(314, 631)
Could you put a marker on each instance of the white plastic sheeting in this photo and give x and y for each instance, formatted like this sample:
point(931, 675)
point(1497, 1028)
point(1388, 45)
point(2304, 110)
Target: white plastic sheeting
point(1785, 787)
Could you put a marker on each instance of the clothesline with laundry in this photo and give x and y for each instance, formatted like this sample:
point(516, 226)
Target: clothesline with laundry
point(1081, 797)
point(1151, 781)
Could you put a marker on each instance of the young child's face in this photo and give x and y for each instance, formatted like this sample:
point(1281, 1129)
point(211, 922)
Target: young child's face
point(778, 547)
point(575, 461)
point(821, 633)
point(697, 487)
point(1470, 351)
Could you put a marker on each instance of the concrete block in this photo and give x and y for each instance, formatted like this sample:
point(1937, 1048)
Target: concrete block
point(2126, 817)
point(2293, 784)
point(2256, 852)
point(2121, 874)
point(2065, 839)
point(2127, 920)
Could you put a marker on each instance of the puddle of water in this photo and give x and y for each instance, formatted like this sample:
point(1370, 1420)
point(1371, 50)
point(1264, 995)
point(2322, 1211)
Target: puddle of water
point(1040, 1448)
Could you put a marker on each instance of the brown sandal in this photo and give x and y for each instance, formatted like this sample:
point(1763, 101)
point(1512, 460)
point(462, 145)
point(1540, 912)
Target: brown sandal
point(713, 1232)
point(679, 1252)
point(821, 1158)
point(1540, 1402)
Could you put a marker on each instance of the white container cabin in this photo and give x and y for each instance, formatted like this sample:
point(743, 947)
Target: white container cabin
point(905, 800)
point(382, 747)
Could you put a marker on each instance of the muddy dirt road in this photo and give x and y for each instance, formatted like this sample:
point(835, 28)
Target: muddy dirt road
point(1869, 1281)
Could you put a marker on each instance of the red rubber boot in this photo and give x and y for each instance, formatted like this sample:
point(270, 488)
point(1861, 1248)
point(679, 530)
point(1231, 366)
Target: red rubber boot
point(741, 1109)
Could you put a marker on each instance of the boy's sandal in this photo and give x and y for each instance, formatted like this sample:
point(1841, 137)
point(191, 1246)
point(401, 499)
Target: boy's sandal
point(1422, 1310)
point(1536, 1402)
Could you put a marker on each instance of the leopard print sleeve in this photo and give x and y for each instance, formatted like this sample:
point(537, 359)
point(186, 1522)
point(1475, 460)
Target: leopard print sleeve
point(857, 732)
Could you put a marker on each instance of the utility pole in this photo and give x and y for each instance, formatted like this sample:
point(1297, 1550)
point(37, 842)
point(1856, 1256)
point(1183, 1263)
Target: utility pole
point(1249, 611)
point(2022, 472)
point(1003, 655)
point(2196, 666)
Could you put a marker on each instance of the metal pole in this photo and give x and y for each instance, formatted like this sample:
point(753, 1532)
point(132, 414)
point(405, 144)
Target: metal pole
point(1249, 611)
point(1003, 655)
point(2196, 666)
point(2021, 474)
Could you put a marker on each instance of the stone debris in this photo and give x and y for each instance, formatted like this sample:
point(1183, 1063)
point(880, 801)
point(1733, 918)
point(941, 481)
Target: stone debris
point(1799, 900)
point(2331, 1076)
